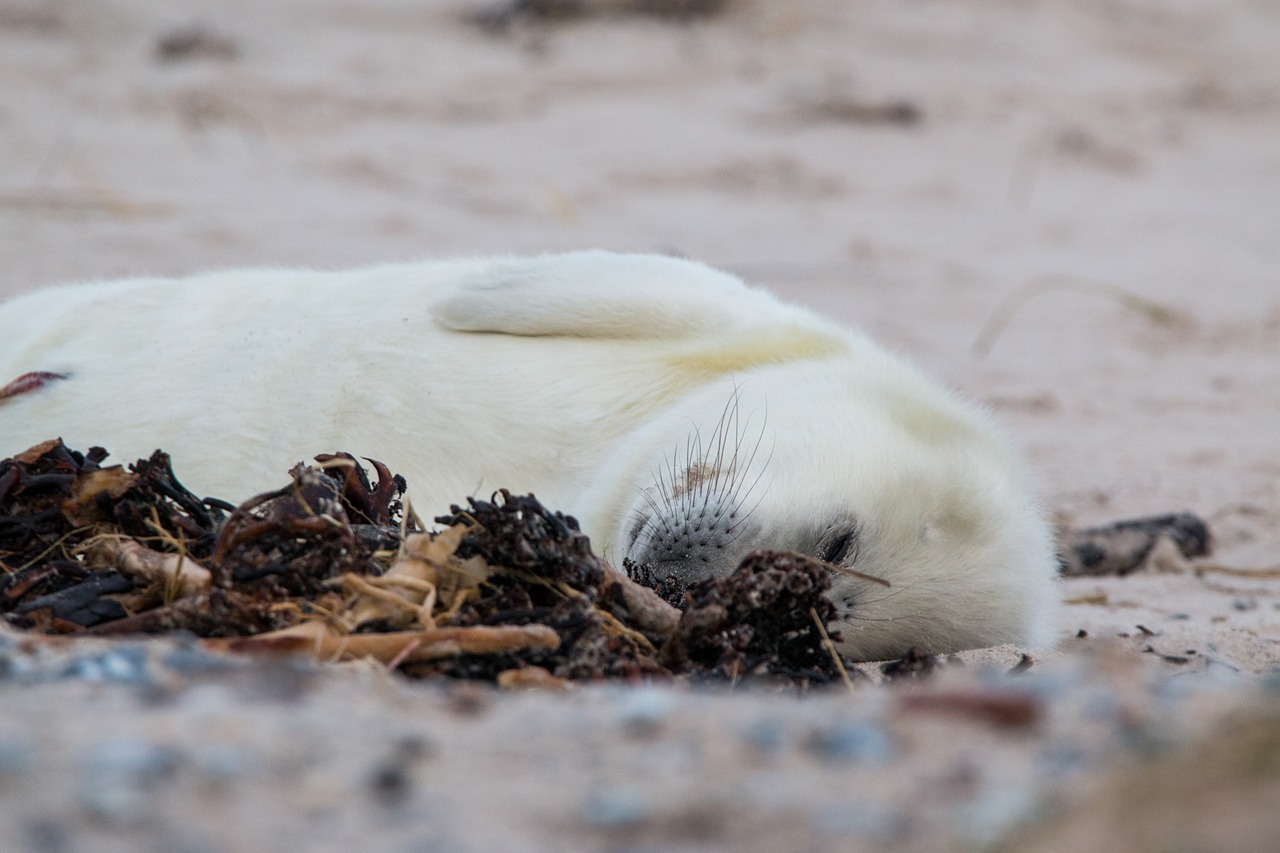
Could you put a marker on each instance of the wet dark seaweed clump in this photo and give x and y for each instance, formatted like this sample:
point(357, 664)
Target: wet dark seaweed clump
point(551, 577)
point(764, 617)
point(509, 592)
point(55, 502)
point(54, 499)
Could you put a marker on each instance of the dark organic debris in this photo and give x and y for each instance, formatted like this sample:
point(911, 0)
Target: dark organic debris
point(761, 618)
point(509, 592)
point(669, 587)
point(914, 664)
point(1025, 662)
point(841, 108)
point(196, 41)
point(500, 17)
point(54, 500)
point(118, 550)
point(1177, 660)
point(1006, 710)
point(1123, 546)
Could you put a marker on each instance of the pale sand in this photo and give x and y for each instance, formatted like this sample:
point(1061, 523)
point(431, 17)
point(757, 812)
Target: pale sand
point(1100, 146)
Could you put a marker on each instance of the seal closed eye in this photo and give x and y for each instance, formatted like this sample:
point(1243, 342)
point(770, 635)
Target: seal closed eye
point(838, 545)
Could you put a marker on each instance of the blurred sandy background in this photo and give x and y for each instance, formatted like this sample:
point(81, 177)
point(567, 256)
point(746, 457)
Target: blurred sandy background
point(906, 166)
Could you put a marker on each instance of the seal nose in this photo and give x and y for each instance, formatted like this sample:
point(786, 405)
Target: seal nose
point(692, 543)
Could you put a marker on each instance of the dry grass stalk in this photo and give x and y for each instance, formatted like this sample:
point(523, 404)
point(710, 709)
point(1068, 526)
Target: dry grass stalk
point(1159, 314)
point(403, 603)
point(531, 677)
point(425, 573)
point(831, 648)
point(181, 576)
point(394, 648)
point(1233, 571)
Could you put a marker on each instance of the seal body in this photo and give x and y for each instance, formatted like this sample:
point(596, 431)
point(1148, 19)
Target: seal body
point(684, 418)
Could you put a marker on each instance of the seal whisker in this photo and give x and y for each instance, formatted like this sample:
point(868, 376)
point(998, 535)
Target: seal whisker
point(739, 497)
point(729, 413)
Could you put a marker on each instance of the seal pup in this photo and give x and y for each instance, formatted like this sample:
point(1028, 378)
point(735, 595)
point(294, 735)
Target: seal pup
point(684, 417)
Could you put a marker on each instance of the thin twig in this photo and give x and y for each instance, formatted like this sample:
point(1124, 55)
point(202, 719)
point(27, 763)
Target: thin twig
point(1003, 314)
point(831, 649)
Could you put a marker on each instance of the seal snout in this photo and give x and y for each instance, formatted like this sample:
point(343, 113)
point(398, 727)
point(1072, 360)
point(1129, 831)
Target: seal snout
point(692, 542)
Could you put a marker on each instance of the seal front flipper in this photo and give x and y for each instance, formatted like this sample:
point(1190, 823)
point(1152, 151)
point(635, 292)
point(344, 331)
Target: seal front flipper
point(605, 295)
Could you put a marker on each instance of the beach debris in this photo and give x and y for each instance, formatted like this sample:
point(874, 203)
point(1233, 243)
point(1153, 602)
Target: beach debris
point(498, 18)
point(333, 566)
point(54, 500)
point(195, 41)
point(758, 619)
point(1124, 546)
point(1004, 709)
point(834, 103)
point(915, 664)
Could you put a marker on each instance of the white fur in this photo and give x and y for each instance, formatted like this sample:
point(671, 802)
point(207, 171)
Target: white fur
point(642, 394)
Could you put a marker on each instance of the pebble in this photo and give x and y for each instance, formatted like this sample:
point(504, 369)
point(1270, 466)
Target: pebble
point(121, 665)
point(765, 736)
point(852, 741)
point(120, 777)
point(868, 823)
point(221, 763)
point(614, 808)
point(140, 759)
point(998, 810)
point(16, 757)
point(643, 711)
point(46, 835)
point(192, 660)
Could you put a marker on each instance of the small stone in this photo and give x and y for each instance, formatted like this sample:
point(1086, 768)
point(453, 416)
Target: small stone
point(124, 665)
point(47, 835)
point(764, 736)
point(877, 825)
point(120, 779)
point(16, 757)
point(851, 741)
point(137, 758)
point(220, 763)
point(645, 710)
point(613, 808)
point(192, 660)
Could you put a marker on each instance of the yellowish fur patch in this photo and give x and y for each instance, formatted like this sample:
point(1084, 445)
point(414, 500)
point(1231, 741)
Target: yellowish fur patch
point(927, 422)
point(744, 351)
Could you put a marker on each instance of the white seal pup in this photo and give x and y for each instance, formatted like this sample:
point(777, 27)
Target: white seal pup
point(684, 418)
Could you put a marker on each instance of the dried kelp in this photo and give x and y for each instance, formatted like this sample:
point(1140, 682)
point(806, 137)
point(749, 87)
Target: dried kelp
point(83, 546)
point(509, 591)
point(53, 500)
point(765, 617)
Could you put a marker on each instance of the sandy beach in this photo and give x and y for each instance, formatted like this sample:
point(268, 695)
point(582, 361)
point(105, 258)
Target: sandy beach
point(1067, 211)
